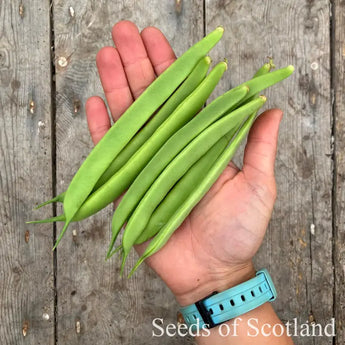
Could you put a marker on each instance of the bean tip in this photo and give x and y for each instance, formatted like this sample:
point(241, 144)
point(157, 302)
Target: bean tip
point(223, 64)
point(208, 60)
point(124, 257)
point(270, 62)
point(290, 68)
point(220, 29)
point(264, 98)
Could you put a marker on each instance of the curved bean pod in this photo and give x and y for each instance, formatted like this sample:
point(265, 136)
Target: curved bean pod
point(187, 87)
point(197, 74)
point(113, 188)
point(122, 179)
point(181, 190)
point(130, 123)
point(194, 176)
point(174, 222)
point(178, 167)
point(193, 80)
point(255, 85)
point(168, 151)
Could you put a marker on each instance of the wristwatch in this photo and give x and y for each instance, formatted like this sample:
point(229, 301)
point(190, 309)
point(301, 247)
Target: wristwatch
point(226, 305)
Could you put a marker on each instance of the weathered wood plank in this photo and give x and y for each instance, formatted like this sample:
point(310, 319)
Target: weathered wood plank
point(90, 293)
point(26, 259)
point(298, 246)
point(338, 79)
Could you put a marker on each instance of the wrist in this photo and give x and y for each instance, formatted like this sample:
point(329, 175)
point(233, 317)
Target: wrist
point(217, 282)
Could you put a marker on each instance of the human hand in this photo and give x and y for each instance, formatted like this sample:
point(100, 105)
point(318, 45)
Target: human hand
point(213, 249)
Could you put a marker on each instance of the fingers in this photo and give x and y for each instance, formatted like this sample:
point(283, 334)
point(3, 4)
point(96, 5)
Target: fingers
point(128, 69)
point(125, 71)
point(261, 148)
point(114, 81)
point(158, 49)
point(136, 63)
point(97, 118)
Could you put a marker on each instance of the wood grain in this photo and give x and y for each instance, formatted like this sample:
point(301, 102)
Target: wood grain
point(298, 246)
point(338, 82)
point(305, 239)
point(26, 259)
point(90, 292)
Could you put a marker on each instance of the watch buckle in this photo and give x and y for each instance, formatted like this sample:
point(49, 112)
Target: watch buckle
point(204, 313)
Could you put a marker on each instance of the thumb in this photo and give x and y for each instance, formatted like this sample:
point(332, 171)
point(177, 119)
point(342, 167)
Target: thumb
point(261, 148)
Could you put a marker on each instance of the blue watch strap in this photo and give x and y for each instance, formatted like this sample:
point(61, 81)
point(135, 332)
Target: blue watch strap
point(220, 307)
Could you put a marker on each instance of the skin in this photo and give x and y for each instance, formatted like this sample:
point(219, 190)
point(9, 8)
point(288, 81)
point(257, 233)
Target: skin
point(214, 247)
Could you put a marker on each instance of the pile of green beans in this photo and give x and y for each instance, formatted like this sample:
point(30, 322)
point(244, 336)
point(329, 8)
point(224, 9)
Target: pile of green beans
point(164, 152)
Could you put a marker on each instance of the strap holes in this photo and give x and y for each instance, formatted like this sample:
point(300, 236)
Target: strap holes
point(232, 302)
point(194, 316)
point(221, 307)
point(211, 311)
point(260, 289)
point(243, 298)
point(252, 292)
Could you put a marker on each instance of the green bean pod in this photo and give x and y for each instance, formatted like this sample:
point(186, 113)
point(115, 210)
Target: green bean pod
point(123, 178)
point(187, 87)
point(181, 190)
point(130, 123)
point(115, 186)
point(168, 151)
point(255, 85)
point(178, 167)
point(174, 222)
point(192, 81)
point(137, 190)
point(194, 176)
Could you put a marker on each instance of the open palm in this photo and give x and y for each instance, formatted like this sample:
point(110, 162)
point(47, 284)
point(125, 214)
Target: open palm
point(218, 240)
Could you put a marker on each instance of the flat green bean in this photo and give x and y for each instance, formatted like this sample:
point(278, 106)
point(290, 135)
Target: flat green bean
point(146, 177)
point(255, 85)
point(181, 190)
point(183, 91)
point(190, 84)
point(129, 124)
point(178, 167)
point(174, 222)
point(122, 179)
point(168, 151)
point(179, 193)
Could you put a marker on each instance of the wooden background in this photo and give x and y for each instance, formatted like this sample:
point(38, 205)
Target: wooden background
point(47, 71)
